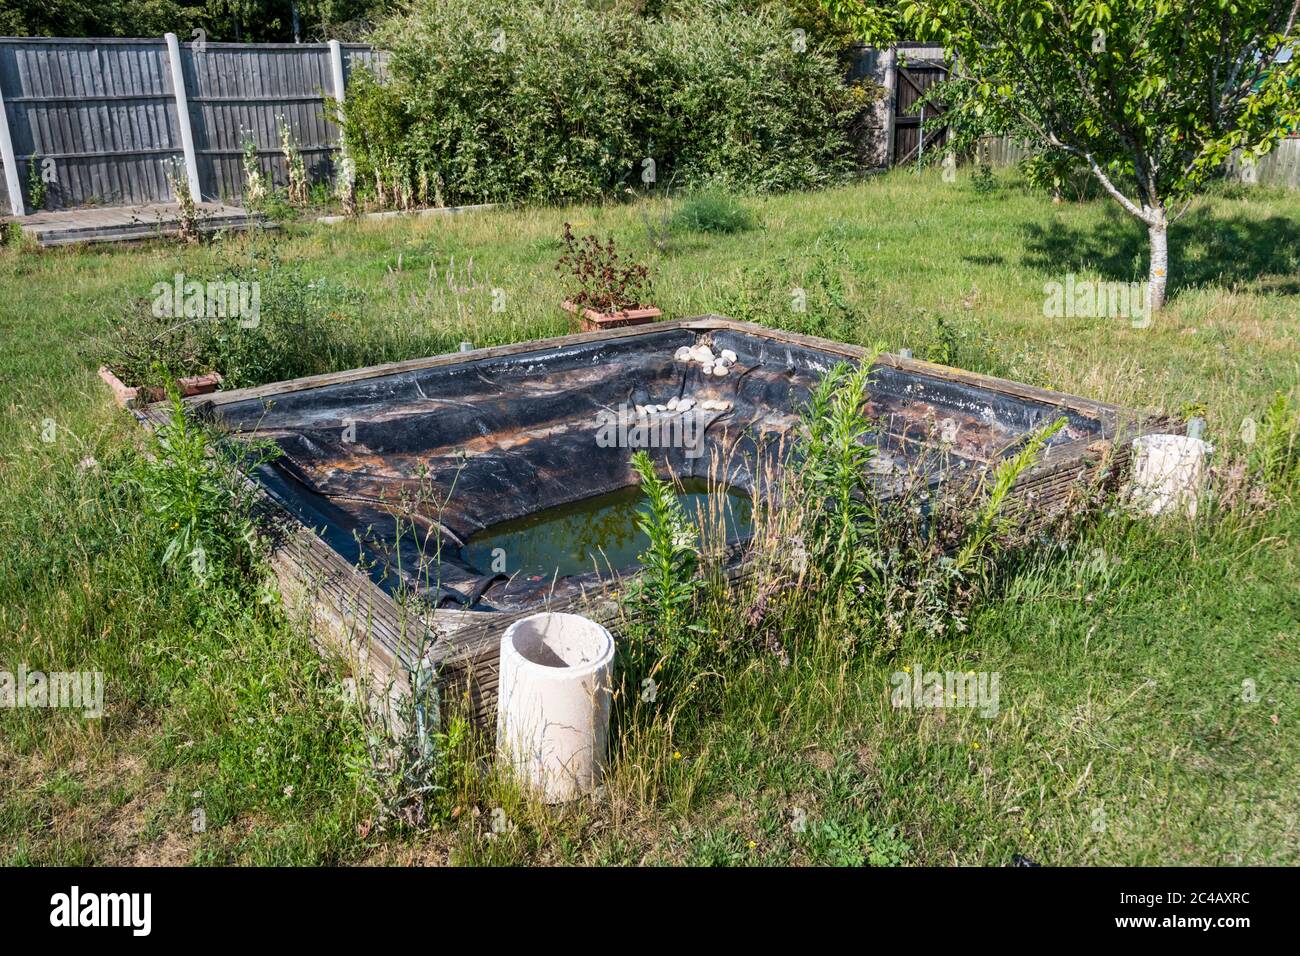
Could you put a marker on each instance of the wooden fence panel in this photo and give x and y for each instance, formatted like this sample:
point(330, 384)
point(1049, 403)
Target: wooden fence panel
point(1279, 168)
point(98, 120)
point(242, 91)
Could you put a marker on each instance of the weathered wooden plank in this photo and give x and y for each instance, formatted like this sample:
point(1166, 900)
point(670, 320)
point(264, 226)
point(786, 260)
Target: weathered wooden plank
point(127, 223)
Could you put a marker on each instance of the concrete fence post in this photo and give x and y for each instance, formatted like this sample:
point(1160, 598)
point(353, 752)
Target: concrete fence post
point(891, 102)
point(336, 72)
point(12, 182)
point(336, 69)
point(183, 116)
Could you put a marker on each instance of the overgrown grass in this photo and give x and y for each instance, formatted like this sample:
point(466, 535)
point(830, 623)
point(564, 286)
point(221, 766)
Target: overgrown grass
point(713, 212)
point(1148, 671)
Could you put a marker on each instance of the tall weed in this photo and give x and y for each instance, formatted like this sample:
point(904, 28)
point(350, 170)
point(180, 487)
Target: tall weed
point(194, 485)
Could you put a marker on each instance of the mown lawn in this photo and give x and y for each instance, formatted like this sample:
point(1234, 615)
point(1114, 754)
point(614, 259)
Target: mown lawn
point(1124, 733)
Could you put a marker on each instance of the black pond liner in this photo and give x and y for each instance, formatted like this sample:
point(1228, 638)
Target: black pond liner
point(386, 466)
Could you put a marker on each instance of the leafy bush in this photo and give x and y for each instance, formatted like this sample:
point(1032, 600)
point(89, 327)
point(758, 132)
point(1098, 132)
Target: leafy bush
point(187, 208)
point(918, 558)
point(984, 182)
point(732, 104)
point(835, 473)
point(149, 348)
point(713, 212)
point(294, 163)
point(602, 279)
point(36, 188)
point(1058, 174)
point(671, 559)
point(292, 336)
point(154, 343)
point(491, 101)
point(375, 128)
point(255, 181)
point(193, 484)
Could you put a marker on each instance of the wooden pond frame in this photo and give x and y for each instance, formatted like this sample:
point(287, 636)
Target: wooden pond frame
point(352, 617)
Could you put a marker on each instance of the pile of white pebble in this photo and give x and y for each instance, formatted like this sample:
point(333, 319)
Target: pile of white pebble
point(684, 404)
point(709, 363)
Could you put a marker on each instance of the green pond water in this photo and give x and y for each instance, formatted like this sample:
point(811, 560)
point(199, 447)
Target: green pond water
point(595, 534)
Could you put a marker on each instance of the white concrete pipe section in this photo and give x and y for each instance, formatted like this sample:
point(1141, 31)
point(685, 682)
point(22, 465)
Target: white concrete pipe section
point(553, 698)
point(1168, 473)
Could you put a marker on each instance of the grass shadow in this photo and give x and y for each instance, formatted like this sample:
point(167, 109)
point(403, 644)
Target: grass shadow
point(1205, 249)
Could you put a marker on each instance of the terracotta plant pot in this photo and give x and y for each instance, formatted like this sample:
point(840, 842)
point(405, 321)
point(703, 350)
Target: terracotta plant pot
point(133, 397)
point(593, 321)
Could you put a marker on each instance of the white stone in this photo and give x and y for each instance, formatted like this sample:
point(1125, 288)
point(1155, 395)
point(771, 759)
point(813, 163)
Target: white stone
point(728, 356)
point(683, 354)
point(719, 370)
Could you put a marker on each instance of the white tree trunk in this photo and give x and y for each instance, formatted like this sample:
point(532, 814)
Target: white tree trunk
point(1158, 233)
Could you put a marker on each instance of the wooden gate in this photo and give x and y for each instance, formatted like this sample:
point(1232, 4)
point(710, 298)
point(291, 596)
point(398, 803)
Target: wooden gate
point(913, 79)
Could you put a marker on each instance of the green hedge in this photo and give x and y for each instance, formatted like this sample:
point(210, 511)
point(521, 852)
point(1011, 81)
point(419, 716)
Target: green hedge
point(554, 101)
